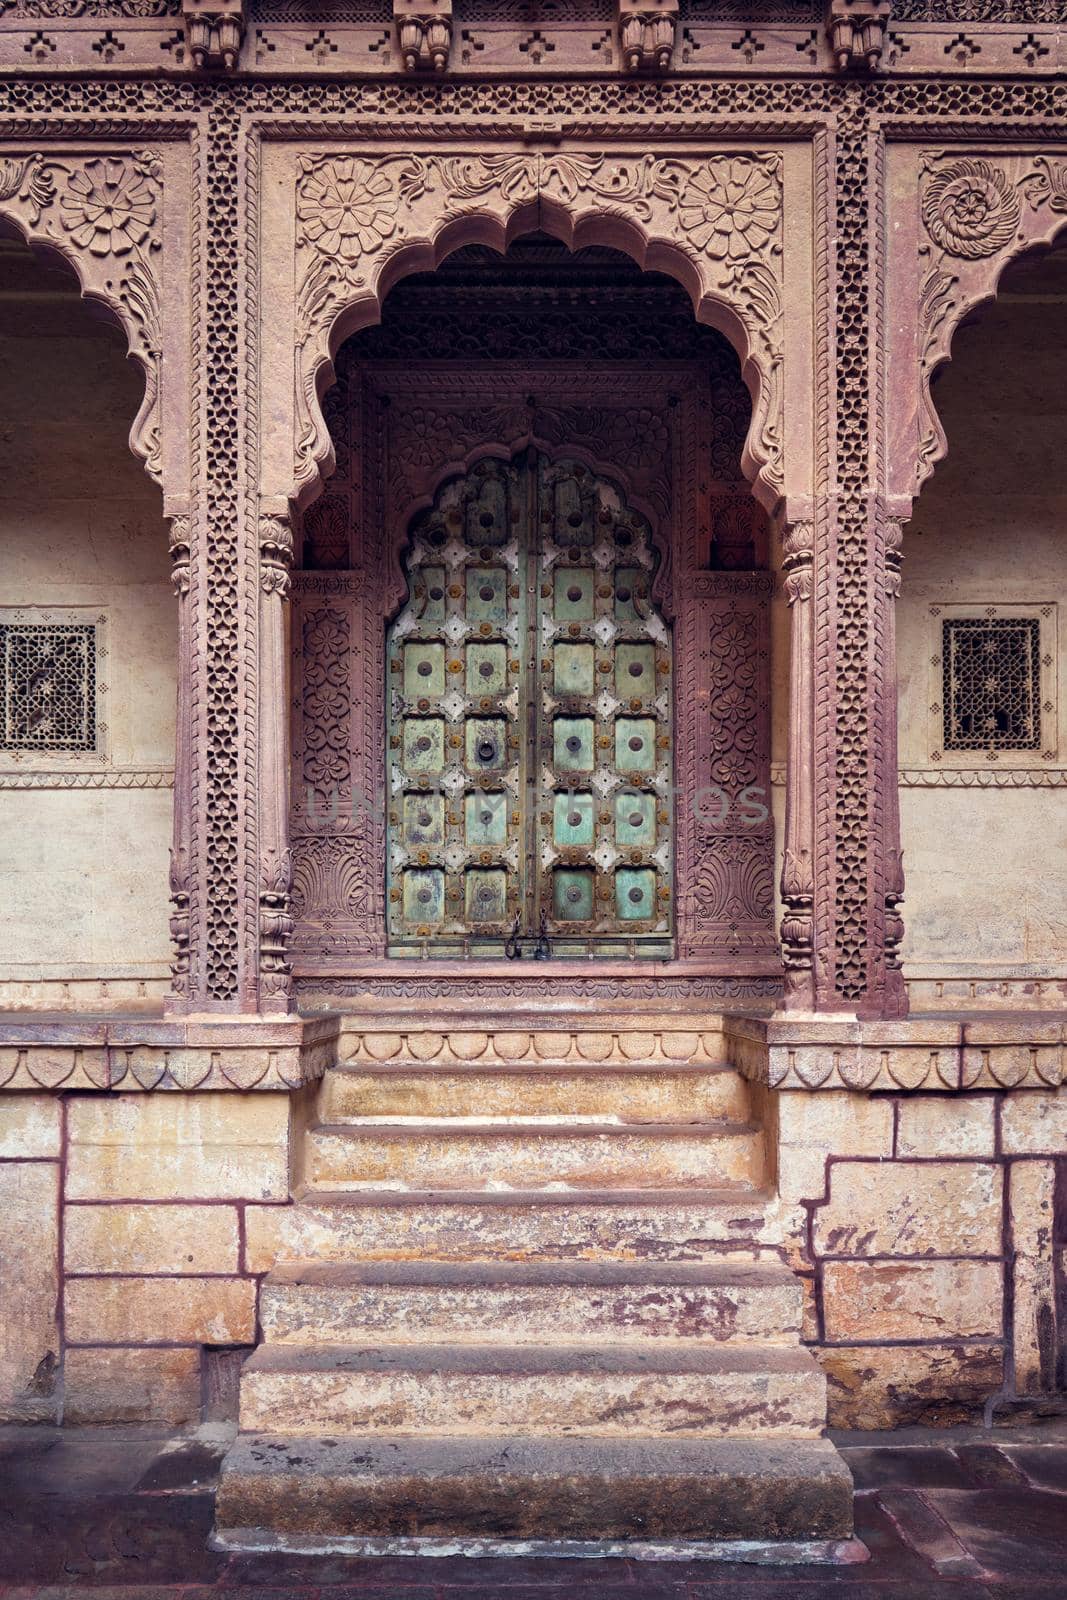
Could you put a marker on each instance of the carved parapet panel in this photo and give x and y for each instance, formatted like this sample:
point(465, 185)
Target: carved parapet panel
point(713, 220)
point(104, 214)
point(125, 1055)
point(977, 211)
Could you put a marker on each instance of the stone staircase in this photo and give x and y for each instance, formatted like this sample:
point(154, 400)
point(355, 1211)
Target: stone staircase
point(521, 1315)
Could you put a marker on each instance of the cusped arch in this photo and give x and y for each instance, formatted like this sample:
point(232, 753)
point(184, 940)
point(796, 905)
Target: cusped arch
point(99, 216)
point(1023, 211)
point(712, 223)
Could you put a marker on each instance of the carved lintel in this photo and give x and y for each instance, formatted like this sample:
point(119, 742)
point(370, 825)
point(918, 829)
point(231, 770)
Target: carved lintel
point(857, 30)
point(275, 553)
point(424, 30)
point(647, 34)
point(213, 33)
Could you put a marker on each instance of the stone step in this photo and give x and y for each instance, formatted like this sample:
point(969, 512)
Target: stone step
point(655, 1093)
point(657, 1388)
point(691, 1224)
point(499, 1155)
point(546, 1302)
point(522, 1488)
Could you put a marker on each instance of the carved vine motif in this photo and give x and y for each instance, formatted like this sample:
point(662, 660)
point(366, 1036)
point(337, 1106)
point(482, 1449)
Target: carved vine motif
point(978, 214)
point(353, 212)
point(104, 213)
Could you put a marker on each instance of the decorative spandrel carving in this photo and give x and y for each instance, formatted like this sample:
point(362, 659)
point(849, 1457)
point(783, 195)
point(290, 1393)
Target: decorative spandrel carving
point(104, 214)
point(978, 213)
point(723, 213)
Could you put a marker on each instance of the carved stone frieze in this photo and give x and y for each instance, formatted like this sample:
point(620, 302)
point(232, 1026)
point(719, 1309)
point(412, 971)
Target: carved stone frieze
point(928, 1053)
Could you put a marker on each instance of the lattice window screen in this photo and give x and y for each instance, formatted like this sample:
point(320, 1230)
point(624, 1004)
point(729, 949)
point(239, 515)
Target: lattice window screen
point(48, 686)
point(991, 683)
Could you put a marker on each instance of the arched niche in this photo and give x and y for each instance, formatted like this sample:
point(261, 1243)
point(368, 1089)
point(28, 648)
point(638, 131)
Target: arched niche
point(88, 634)
point(577, 355)
point(982, 722)
point(713, 223)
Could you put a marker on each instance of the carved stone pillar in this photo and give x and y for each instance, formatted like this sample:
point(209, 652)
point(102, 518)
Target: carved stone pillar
point(276, 857)
point(886, 797)
point(181, 854)
point(798, 855)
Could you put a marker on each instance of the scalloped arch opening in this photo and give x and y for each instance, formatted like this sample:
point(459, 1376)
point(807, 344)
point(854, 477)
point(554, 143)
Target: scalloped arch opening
point(543, 220)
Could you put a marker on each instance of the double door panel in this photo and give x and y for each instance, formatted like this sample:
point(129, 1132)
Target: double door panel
point(530, 722)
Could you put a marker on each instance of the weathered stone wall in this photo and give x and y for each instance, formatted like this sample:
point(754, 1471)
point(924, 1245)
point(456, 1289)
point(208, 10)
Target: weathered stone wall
point(928, 1229)
point(123, 1246)
point(934, 1246)
point(84, 841)
point(985, 864)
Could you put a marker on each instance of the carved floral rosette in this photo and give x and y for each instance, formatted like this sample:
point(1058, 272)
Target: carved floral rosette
point(977, 213)
point(715, 221)
point(103, 214)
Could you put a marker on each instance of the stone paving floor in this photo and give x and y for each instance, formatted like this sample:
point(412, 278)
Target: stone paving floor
point(124, 1514)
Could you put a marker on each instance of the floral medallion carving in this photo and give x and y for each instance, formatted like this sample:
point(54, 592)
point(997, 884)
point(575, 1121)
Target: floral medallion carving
point(970, 209)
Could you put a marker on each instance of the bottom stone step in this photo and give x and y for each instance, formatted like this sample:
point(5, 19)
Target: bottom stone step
point(529, 1488)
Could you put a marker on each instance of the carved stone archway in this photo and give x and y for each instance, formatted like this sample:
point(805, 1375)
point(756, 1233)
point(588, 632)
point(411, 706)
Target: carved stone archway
point(713, 222)
point(102, 214)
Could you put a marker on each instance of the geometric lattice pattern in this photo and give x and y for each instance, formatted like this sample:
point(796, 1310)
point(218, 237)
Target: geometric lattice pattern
point(48, 686)
point(991, 674)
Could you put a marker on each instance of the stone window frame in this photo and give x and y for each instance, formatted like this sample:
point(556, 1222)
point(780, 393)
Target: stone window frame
point(1045, 613)
point(98, 759)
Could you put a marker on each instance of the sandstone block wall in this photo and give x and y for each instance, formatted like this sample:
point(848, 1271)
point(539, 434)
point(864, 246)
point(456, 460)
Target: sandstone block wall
point(930, 1231)
point(123, 1258)
point(936, 1250)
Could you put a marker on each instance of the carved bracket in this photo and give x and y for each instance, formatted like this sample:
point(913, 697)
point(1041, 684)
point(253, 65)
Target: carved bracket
point(857, 30)
point(424, 31)
point(977, 214)
point(715, 221)
point(647, 34)
point(213, 33)
point(103, 214)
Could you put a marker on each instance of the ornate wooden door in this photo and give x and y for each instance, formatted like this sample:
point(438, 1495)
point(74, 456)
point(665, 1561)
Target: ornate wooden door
point(530, 722)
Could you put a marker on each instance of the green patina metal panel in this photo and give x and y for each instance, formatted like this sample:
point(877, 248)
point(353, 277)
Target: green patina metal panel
point(530, 722)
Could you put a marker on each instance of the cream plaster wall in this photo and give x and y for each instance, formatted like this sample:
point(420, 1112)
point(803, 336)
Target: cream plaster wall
point(84, 871)
point(986, 869)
